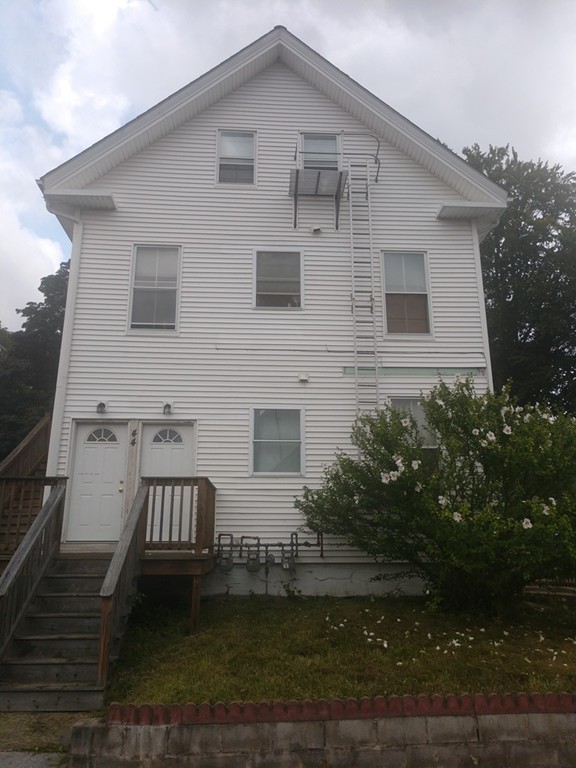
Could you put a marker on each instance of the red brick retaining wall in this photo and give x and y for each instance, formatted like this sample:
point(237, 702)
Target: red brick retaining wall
point(342, 709)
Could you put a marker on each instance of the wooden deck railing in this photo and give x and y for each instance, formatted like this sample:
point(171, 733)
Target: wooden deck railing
point(169, 513)
point(181, 512)
point(24, 459)
point(121, 581)
point(39, 546)
point(21, 500)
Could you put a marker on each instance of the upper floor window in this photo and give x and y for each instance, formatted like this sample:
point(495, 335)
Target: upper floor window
point(278, 279)
point(155, 287)
point(236, 157)
point(320, 151)
point(277, 444)
point(406, 293)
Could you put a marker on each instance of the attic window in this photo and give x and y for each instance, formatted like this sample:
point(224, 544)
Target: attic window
point(236, 157)
point(320, 151)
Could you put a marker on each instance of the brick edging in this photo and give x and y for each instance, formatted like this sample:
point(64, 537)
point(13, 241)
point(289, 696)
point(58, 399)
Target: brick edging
point(342, 709)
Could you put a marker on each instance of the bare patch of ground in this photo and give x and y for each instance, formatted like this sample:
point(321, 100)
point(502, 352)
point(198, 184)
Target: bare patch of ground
point(37, 731)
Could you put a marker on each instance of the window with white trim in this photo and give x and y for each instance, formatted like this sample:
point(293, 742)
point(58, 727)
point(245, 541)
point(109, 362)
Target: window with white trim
point(406, 292)
point(320, 151)
point(413, 406)
point(278, 279)
point(277, 442)
point(155, 287)
point(236, 157)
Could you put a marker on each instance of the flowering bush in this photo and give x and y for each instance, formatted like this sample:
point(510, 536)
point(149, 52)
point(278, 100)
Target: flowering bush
point(491, 508)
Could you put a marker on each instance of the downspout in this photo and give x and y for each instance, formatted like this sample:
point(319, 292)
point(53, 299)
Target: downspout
point(482, 298)
point(64, 361)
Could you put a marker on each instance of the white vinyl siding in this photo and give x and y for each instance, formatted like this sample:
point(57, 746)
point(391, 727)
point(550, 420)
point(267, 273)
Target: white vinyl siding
point(227, 357)
point(278, 279)
point(236, 157)
point(406, 293)
point(155, 288)
point(277, 441)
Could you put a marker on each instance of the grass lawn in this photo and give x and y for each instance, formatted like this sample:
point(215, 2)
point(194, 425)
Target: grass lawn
point(262, 648)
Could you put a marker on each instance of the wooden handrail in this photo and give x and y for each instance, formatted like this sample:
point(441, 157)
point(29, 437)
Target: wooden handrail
point(21, 499)
point(29, 452)
point(29, 563)
point(121, 580)
point(181, 513)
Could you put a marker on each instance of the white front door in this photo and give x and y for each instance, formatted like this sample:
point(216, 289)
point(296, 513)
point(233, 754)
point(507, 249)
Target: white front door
point(97, 492)
point(168, 451)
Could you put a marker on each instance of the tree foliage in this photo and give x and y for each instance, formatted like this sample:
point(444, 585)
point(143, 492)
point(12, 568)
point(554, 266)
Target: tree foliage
point(30, 362)
point(529, 269)
point(487, 511)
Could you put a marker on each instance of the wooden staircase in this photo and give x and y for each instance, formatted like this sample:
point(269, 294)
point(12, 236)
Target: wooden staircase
point(51, 662)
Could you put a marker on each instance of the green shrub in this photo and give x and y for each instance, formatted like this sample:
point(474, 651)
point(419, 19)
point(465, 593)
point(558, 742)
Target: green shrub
point(489, 509)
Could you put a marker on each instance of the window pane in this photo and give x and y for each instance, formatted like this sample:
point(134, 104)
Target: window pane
point(155, 284)
point(236, 174)
point(272, 456)
point(320, 151)
point(277, 279)
point(407, 313)
point(414, 272)
point(414, 407)
point(277, 424)
point(239, 144)
point(394, 272)
point(404, 272)
point(154, 308)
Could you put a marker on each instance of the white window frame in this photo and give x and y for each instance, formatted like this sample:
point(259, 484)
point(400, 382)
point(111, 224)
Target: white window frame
point(268, 407)
point(276, 249)
point(220, 158)
point(408, 334)
point(176, 289)
point(337, 136)
point(413, 406)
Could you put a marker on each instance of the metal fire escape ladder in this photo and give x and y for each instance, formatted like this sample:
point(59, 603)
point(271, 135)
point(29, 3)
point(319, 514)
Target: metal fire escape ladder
point(362, 297)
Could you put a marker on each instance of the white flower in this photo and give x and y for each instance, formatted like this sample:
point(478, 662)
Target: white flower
point(416, 464)
point(545, 509)
point(385, 477)
point(527, 416)
point(552, 501)
point(417, 487)
point(491, 436)
point(483, 443)
point(405, 422)
point(443, 501)
point(526, 523)
point(507, 430)
point(457, 517)
point(475, 432)
point(393, 475)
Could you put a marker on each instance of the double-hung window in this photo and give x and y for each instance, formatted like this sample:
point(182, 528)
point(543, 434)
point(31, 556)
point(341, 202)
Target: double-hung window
point(414, 407)
point(320, 151)
point(406, 293)
point(236, 157)
point(278, 279)
point(155, 287)
point(277, 442)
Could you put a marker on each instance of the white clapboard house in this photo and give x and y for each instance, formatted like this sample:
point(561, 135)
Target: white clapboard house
point(256, 259)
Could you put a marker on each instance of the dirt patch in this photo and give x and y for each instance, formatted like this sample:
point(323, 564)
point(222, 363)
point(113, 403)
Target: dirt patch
point(37, 731)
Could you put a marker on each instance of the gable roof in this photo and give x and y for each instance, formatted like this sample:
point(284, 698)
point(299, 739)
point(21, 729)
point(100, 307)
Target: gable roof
point(61, 185)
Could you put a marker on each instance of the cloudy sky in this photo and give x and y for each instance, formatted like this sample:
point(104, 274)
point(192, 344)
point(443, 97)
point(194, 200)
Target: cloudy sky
point(71, 71)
